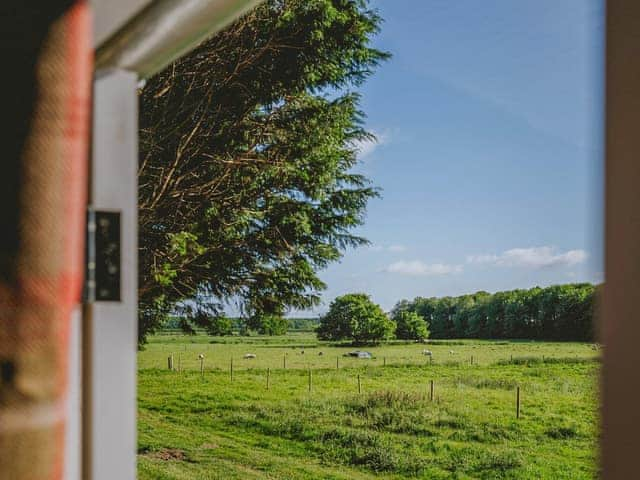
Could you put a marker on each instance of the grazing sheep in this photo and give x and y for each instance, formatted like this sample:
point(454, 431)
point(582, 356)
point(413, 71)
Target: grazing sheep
point(427, 352)
point(302, 352)
point(320, 353)
point(451, 352)
point(249, 355)
point(201, 356)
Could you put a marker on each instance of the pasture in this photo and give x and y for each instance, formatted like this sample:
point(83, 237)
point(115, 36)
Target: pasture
point(215, 427)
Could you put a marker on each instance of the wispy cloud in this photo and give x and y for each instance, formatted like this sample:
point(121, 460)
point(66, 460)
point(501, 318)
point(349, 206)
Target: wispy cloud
point(366, 147)
point(419, 268)
point(534, 257)
point(395, 248)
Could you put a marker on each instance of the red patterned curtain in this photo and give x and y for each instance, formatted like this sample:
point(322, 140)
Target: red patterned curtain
point(45, 95)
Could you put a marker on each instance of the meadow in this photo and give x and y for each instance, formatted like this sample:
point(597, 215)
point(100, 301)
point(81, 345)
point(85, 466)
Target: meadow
point(311, 420)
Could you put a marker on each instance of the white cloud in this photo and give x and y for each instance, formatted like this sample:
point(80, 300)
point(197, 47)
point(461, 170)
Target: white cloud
point(367, 147)
point(418, 268)
point(534, 257)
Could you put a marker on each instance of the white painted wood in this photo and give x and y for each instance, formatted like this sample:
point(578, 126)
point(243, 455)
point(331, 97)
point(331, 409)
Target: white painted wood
point(112, 337)
point(165, 31)
point(110, 15)
point(109, 329)
point(73, 432)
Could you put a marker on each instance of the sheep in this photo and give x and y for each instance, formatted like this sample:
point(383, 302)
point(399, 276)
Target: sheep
point(451, 352)
point(249, 355)
point(320, 353)
point(201, 356)
point(426, 352)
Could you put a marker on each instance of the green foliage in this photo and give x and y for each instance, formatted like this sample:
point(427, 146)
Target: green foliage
point(560, 312)
point(219, 325)
point(355, 317)
point(268, 324)
point(192, 318)
point(247, 146)
point(303, 324)
point(410, 326)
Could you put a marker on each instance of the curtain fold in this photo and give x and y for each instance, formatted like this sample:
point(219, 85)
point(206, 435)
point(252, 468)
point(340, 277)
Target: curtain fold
point(42, 215)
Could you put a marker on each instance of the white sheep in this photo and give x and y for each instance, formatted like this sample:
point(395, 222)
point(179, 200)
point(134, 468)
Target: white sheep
point(249, 355)
point(451, 352)
point(427, 352)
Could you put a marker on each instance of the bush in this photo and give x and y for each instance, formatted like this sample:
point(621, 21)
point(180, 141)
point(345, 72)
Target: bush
point(410, 326)
point(355, 317)
point(268, 324)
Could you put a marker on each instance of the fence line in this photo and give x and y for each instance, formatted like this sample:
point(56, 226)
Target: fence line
point(431, 396)
point(398, 362)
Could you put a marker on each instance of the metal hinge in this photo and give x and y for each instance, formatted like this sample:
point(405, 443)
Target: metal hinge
point(103, 257)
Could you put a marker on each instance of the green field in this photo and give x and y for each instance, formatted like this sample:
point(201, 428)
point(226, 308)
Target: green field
point(210, 427)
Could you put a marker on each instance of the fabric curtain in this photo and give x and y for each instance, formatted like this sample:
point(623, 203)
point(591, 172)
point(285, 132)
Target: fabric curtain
point(46, 104)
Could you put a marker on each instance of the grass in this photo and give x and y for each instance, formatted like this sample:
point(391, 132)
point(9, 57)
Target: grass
point(214, 428)
point(271, 351)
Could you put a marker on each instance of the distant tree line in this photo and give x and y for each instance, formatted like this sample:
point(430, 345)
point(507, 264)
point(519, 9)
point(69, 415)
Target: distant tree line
point(561, 312)
point(303, 324)
point(219, 325)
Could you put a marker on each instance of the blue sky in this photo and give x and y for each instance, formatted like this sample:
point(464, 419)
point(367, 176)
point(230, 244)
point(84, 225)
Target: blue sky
point(489, 119)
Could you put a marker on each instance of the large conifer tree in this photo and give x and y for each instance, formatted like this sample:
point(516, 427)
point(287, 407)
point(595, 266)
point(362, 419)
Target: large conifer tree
point(246, 153)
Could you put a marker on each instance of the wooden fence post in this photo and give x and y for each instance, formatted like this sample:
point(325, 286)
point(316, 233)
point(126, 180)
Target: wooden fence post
point(431, 390)
point(284, 361)
point(202, 366)
point(231, 369)
point(268, 377)
point(517, 402)
point(337, 363)
point(359, 385)
point(170, 362)
point(309, 380)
